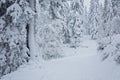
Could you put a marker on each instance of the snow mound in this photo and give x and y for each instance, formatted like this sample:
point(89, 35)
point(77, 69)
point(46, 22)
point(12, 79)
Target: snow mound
point(109, 47)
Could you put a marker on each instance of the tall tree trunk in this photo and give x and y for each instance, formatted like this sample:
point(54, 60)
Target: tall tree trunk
point(31, 36)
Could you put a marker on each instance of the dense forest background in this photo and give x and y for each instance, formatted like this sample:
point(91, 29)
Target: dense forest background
point(36, 29)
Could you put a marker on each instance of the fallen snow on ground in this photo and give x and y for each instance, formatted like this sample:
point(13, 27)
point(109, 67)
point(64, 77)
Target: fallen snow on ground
point(86, 48)
point(82, 63)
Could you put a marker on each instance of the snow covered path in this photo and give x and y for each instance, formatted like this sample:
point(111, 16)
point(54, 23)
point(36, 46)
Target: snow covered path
point(84, 65)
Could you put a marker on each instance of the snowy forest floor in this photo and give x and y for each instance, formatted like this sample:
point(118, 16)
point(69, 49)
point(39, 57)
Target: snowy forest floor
point(82, 63)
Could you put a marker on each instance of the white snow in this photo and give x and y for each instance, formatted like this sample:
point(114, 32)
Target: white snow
point(84, 65)
point(15, 11)
point(87, 4)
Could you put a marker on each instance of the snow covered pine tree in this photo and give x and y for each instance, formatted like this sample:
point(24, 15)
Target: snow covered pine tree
point(15, 16)
point(109, 44)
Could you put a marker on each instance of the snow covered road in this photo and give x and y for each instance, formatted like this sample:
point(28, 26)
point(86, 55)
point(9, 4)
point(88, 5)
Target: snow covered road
point(84, 65)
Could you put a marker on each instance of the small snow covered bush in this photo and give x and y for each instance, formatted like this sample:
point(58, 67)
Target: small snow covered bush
point(49, 43)
point(109, 47)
